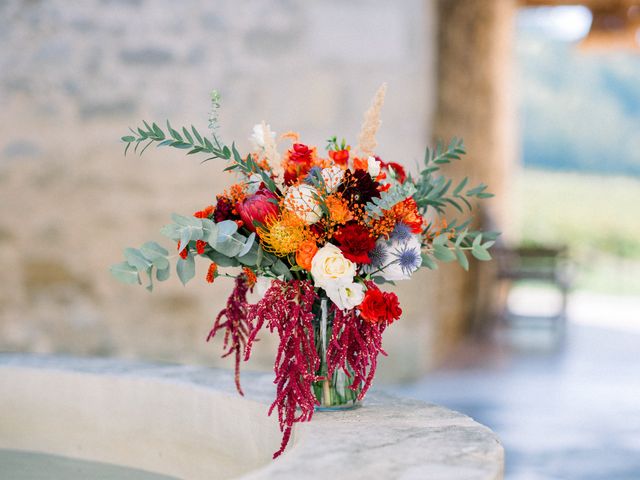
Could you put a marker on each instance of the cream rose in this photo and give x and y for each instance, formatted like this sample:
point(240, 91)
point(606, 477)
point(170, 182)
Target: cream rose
point(302, 201)
point(329, 268)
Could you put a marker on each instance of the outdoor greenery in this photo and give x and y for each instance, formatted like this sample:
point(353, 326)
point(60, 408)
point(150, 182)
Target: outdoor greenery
point(596, 216)
point(580, 110)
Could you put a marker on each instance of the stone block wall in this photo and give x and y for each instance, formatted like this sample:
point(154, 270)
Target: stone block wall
point(74, 75)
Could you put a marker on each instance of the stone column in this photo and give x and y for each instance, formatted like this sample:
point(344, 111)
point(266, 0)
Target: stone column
point(473, 101)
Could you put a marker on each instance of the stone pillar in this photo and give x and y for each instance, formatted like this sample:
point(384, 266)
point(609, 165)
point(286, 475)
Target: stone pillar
point(474, 102)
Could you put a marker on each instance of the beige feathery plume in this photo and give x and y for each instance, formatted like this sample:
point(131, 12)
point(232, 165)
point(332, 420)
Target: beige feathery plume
point(271, 151)
point(367, 138)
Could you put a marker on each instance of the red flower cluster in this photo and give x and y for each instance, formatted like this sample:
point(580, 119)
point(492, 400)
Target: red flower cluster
point(340, 157)
point(398, 169)
point(379, 306)
point(298, 162)
point(355, 242)
point(223, 210)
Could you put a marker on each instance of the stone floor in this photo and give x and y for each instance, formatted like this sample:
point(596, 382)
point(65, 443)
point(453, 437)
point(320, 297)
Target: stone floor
point(565, 407)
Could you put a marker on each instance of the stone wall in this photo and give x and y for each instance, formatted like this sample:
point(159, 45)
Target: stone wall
point(73, 76)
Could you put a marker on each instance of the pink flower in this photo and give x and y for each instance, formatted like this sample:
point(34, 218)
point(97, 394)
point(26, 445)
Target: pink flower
point(257, 207)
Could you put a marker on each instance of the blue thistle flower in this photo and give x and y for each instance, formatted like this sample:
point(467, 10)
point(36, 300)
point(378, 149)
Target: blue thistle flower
point(401, 232)
point(378, 255)
point(313, 173)
point(408, 258)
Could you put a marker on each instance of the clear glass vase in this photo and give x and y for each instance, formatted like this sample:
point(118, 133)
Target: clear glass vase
point(333, 392)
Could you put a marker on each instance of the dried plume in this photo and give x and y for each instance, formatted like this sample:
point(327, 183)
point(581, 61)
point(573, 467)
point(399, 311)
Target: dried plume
point(271, 151)
point(367, 138)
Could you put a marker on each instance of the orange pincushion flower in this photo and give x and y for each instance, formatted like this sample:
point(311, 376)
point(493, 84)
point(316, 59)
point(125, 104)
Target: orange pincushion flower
point(212, 273)
point(250, 276)
point(305, 254)
point(282, 235)
point(407, 212)
point(200, 245)
point(338, 209)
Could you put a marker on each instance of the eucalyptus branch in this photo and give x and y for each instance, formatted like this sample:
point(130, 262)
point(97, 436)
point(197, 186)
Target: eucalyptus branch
point(190, 140)
point(436, 191)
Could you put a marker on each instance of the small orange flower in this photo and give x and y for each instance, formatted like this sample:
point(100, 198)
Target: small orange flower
point(407, 212)
point(338, 209)
point(237, 193)
point(200, 245)
point(205, 212)
point(305, 254)
point(250, 276)
point(360, 164)
point(183, 252)
point(212, 273)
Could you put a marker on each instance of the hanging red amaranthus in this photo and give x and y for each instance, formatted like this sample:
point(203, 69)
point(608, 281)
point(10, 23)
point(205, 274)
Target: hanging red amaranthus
point(236, 326)
point(355, 342)
point(287, 308)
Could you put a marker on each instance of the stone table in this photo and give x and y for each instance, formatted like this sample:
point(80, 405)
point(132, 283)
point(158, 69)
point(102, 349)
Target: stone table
point(188, 422)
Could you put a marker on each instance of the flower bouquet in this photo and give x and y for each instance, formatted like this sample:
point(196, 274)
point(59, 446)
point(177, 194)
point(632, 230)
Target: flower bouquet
point(313, 237)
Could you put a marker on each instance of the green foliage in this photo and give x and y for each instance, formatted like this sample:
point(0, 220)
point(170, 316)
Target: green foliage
point(332, 144)
point(436, 191)
point(396, 194)
point(225, 246)
point(248, 166)
point(454, 244)
point(189, 139)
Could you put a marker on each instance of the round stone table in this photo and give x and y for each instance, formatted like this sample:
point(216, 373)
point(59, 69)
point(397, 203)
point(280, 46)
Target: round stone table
point(188, 422)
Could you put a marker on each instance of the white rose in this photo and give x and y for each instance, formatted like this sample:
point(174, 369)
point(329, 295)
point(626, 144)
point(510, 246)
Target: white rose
point(332, 177)
point(329, 268)
point(373, 167)
point(346, 296)
point(257, 137)
point(302, 201)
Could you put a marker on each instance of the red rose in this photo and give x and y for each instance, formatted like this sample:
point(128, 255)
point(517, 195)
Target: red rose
point(355, 242)
point(257, 207)
point(379, 306)
point(298, 162)
point(340, 157)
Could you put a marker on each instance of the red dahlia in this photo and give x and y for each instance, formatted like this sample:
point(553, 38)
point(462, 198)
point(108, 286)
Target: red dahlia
point(379, 306)
point(355, 242)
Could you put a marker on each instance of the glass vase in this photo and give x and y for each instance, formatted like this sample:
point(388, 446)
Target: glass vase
point(333, 393)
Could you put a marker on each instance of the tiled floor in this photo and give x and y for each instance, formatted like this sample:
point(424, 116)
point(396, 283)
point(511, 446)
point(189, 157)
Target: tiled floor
point(562, 413)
